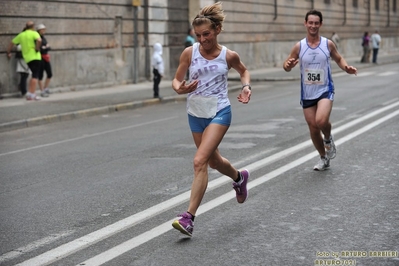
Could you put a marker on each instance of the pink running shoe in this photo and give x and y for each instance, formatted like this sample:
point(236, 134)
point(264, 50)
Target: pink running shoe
point(241, 187)
point(185, 224)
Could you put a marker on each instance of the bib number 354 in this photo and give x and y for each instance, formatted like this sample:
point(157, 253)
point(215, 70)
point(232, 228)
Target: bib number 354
point(314, 76)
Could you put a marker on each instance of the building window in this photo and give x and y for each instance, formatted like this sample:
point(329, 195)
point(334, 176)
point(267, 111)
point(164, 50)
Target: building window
point(394, 6)
point(377, 5)
point(327, 1)
point(355, 4)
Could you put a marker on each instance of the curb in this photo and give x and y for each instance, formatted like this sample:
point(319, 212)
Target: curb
point(137, 104)
point(36, 121)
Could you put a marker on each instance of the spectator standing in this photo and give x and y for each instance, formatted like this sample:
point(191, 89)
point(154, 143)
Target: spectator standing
point(189, 41)
point(23, 70)
point(366, 48)
point(157, 68)
point(335, 39)
point(45, 63)
point(30, 46)
point(208, 107)
point(375, 43)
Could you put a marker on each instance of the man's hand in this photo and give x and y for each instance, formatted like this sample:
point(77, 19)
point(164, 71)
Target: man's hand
point(351, 70)
point(290, 63)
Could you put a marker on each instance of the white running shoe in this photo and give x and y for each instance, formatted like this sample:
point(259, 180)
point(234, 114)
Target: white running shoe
point(32, 97)
point(44, 94)
point(330, 148)
point(323, 164)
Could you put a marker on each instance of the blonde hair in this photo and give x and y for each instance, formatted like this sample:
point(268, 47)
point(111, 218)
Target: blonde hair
point(212, 14)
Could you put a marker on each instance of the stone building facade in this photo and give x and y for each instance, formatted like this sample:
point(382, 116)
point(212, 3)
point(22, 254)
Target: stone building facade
point(98, 43)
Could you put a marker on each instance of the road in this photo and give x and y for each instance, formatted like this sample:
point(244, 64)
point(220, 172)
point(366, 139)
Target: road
point(104, 190)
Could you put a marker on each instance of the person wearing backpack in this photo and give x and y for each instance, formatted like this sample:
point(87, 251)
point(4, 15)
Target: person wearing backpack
point(23, 70)
point(189, 41)
point(366, 48)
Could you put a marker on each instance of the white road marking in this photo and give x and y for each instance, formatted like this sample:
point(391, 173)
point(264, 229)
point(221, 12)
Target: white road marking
point(268, 97)
point(118, 250)
point(87, 136)
point(96, 236)
point(32, 246)
point(390, 101)
point(363, 74)
point(340, 74)
point(387, 73)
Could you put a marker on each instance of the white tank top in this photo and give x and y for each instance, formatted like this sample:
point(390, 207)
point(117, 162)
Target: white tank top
point(315, 70)
point(212, 76)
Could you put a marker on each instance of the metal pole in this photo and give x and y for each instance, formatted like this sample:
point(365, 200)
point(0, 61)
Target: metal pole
point(389, 14)
point(146, 42)
point(312, 4)
point(368, 12)
point(135, 41)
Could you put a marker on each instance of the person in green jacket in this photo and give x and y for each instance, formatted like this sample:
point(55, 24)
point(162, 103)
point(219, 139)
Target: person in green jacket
point(30, 42)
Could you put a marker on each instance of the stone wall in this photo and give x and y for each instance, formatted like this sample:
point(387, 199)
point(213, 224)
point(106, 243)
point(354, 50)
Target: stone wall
point(93, 41)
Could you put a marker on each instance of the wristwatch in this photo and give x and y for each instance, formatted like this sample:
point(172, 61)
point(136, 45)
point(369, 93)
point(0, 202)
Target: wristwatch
point(246, 85)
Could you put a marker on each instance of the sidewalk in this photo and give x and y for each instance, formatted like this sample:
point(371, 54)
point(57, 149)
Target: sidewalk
point(60, 106)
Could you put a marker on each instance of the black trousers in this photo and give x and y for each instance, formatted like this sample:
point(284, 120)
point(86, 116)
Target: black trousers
point(157, 80)
point(375, 53)
point(22, 82)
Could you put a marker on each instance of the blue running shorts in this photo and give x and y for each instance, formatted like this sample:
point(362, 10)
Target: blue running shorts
point(198, 125)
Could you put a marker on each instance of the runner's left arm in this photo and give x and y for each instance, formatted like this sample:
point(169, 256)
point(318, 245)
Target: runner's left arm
point(341, 62)
point(234, 61)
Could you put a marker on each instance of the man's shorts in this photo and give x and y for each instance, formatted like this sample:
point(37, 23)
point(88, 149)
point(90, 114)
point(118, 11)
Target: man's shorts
point(198, 125)
point(35, 66)
point(309, 103)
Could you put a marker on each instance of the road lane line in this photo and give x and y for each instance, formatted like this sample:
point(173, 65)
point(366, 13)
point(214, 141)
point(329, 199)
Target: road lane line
point(87, 136)
point(284, 153)
point(103, 233)
point(390, 101)
point(387, 73)
point(120, 249)
point(34, 245)
point(364, 74)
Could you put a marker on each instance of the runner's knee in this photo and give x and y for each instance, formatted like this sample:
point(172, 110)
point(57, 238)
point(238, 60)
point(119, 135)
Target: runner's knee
point(199, 163)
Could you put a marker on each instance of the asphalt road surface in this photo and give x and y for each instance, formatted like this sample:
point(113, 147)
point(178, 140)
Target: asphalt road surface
point(104, 190)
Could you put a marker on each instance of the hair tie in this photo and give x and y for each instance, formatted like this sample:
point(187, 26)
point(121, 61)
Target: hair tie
point(208, 17)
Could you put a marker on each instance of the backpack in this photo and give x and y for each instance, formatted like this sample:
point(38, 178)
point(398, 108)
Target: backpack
point(18, 54)
point(187, 44)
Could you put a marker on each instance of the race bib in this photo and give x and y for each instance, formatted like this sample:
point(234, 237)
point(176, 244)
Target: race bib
point(202, 106)
point(314, 76)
